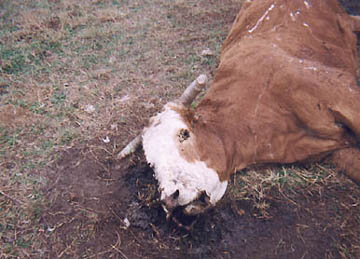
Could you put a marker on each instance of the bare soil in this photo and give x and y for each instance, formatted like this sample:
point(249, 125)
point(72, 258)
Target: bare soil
point(99, 207)
point(92, 196)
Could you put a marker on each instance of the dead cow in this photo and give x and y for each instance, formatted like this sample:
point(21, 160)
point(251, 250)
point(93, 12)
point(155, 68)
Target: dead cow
point(285, 91)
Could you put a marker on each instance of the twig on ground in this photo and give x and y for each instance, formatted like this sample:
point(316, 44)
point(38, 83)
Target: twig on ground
point(66, 249)
point(118, 242)
point(11, 198)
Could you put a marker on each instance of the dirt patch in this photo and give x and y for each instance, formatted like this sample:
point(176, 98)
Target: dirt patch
point(102, 208)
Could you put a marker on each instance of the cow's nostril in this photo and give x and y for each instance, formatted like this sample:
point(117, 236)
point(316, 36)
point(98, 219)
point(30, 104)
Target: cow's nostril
point(184, 134)
point(204, 198)
point(175, 195)
point(171, 201)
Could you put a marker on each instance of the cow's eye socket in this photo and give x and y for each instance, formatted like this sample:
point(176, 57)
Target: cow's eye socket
point(184, 134)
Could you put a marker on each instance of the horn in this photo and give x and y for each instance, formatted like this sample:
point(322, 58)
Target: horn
point(130, 148)
point(185, 99)
point(193, 90)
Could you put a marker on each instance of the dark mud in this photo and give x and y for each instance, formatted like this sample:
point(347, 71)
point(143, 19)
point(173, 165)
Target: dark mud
point(105, 208)
point(299, 225)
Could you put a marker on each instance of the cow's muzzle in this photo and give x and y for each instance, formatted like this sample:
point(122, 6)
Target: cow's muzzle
point(185, 216)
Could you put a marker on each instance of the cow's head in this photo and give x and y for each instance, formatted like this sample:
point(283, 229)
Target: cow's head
point(184, 180)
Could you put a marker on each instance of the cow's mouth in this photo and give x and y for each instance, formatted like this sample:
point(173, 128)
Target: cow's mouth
point(181, 219)
point(186, 216)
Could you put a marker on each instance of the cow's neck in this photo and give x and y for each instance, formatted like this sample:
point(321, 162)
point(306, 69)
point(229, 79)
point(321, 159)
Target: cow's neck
point(217, 144)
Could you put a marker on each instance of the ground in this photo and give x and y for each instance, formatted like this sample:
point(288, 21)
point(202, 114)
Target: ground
point(77, 83)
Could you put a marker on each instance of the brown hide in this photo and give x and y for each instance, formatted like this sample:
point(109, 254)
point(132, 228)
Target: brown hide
point(285, 89)
point(356, 23)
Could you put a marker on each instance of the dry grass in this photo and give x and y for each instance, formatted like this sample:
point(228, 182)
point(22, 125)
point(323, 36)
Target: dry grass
point(258, 186)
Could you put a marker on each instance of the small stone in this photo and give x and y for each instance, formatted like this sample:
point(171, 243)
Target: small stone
point(127, 223)
point(50, 229)
point(207, 52)
point(106, 139)
point(89, 108)
point(125, 98)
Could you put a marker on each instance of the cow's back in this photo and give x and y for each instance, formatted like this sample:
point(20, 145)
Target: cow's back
point(286, 73)
point(312, 29)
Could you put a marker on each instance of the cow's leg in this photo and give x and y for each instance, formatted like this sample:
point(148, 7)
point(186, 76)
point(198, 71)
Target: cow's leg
point(346, 113)
point(356, 23)
point(348, 161)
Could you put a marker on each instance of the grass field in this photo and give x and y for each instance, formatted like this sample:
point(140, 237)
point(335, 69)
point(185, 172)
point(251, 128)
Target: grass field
point(82, 78)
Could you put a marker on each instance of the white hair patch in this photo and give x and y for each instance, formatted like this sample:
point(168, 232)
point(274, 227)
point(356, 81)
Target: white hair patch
point(172, 170)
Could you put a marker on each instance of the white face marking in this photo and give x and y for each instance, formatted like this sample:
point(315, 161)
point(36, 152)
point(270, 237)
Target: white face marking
point(174, 172)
